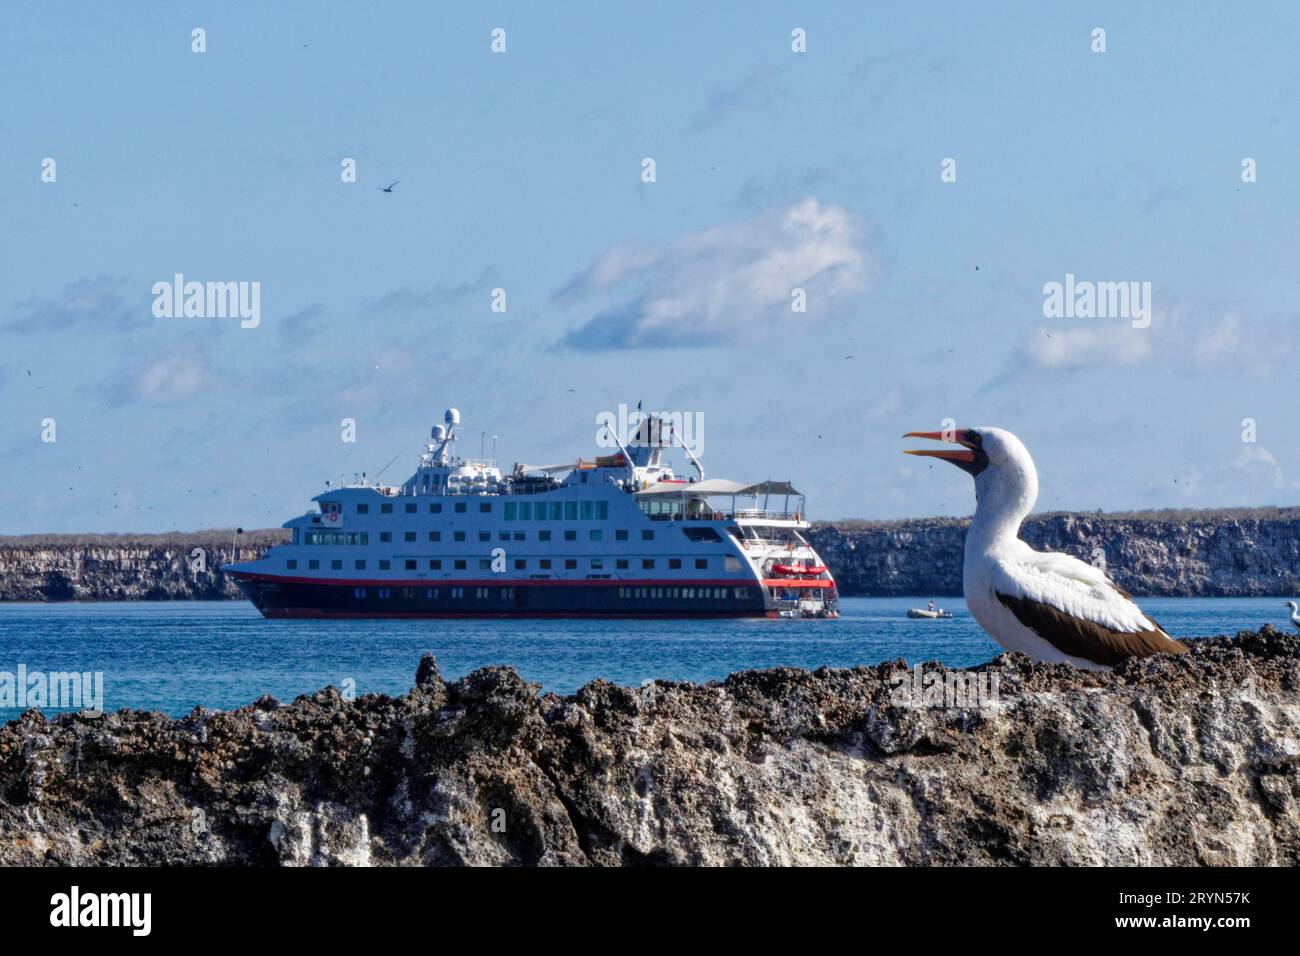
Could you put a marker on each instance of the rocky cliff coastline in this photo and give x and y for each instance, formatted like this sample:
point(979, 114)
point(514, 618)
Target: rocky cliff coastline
point(1189, 760)
point(1230, 553)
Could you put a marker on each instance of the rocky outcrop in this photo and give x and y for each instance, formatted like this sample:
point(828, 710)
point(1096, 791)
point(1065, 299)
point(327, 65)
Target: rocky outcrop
point(1181, 760)
point(1231, 553)
point(159, 567)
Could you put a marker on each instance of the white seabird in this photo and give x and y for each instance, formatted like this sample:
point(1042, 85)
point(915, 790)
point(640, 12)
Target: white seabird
point(1295, 612)
point(1053, 607)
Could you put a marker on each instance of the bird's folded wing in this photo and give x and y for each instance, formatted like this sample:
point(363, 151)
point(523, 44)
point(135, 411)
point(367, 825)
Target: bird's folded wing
point(1078, 610)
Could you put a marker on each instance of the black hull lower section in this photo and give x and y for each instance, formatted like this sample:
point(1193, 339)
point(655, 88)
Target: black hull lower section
point(296, 599)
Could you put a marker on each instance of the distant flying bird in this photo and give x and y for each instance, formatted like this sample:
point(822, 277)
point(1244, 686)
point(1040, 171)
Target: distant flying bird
point(1295, 613)
point(1053, 607)
point(389, 187)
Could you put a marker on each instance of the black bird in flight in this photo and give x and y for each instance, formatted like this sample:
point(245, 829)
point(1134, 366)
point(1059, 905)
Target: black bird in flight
point(389, 188)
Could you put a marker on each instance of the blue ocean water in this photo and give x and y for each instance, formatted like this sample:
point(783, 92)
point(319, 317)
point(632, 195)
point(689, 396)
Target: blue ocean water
point(172, 656)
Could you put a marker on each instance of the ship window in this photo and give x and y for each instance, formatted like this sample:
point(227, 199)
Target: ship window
point(701, 564)
point(512, 511)
point(521, 564)
point(587, 510)
point(460, 507)
point(484, 564)
point(386, 509)
point(526, 510)
point(602, 510)
point(363, 509)
point(430, 593)
point(543, 536)
point(620, 534)
point(741, 593)
point(597, 564)
point(408, 536)
point(485, 535)
point(350, 537)
point(647, 563)
point(519, 536)
point(385, 592)
point(460, 564)
point(410, 507)
point(384, 564)
point(291, 564)
point(570, 564)
point(385, 536)
point(647, 535)
point(313, 565)
point(503, 535)
point(621, 564)
point(485, 507)
point(358, 592)
point(435, 565)
point(359, 564)
point(556, 508)
point(701, 534)
point(295, 535)
point(365, 537)
point(539, 513)
point(336, 565)
point(595, 534)
point(570, 511)
point(410, 564)
point(731, 563)
point(435, 507)
point(435, 535)
point(544, 564)
point(674, 564)
point(459, 535)
point(570, 536)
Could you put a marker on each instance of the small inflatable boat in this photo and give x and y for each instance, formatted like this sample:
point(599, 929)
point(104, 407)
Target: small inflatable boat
point(940, 613)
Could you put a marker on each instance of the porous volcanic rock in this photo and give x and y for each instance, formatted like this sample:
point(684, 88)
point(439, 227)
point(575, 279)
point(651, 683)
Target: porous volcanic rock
point(1169, 760)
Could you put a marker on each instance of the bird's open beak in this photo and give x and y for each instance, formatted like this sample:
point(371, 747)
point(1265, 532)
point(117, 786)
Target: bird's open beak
point(963, 456)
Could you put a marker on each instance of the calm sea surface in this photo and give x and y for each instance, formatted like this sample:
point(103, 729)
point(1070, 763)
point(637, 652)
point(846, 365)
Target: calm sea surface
point(171, 656)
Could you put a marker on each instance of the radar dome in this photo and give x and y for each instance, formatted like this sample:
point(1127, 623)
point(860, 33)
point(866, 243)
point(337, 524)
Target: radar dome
point(451, 416)
point(437, 433)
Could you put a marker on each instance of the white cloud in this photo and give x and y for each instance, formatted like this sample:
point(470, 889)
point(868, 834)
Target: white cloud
point(1253, 477)
point(716, 285)
point(1184, 335)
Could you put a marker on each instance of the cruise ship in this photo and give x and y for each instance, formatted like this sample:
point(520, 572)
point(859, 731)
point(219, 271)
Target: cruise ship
point(618, 536)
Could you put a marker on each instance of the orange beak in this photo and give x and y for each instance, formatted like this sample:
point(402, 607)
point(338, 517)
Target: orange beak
point(965, 455)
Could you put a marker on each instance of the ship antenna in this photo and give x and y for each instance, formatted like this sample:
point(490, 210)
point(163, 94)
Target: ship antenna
point(385, 468)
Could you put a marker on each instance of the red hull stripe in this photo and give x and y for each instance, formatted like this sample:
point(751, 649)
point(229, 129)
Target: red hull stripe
point(308, 612)
point(524, 582)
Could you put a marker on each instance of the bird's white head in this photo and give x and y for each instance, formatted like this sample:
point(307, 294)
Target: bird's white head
point(1292, 605)
point(1006, 482)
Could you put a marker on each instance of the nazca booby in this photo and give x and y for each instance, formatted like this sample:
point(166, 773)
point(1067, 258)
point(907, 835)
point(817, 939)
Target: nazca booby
point(1052, 606)
point(1295, 612)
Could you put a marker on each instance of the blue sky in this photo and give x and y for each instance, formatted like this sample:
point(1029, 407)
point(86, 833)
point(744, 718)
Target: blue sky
point(522, 171)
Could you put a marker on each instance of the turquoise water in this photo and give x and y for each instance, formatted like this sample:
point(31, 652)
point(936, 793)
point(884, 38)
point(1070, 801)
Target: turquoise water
point(171, 656)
